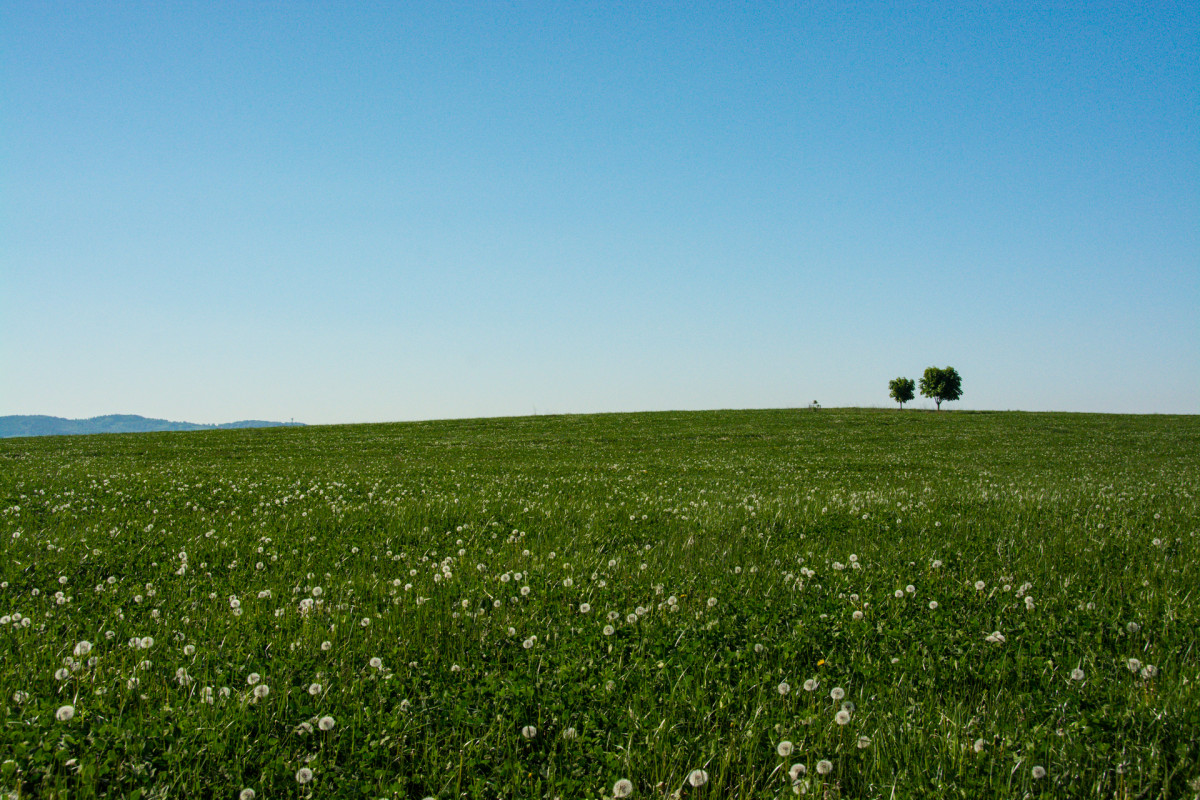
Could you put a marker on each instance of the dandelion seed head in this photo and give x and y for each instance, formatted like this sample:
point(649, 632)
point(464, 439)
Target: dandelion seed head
point(697, 777)
point(784, 748)
point(622, 788)
point(65, 713)
point(824, 767)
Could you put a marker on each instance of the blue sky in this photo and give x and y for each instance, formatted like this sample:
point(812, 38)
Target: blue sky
point(366, 212)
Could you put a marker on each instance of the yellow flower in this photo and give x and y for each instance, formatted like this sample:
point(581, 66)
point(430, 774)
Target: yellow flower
point(821, 663)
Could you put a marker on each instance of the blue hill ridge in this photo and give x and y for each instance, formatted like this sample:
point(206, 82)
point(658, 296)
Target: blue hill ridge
point(41, 425)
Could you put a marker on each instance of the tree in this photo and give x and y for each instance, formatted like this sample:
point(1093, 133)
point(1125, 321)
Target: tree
point(902, 390)
point(941, 384)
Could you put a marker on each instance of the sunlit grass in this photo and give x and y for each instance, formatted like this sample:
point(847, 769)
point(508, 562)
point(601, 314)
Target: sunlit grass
point(922, 605)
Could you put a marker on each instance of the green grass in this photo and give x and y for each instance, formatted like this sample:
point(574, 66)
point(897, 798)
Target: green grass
point(748, 540)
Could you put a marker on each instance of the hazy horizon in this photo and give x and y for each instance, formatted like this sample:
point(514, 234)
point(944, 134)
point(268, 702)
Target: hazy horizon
point(431, 211)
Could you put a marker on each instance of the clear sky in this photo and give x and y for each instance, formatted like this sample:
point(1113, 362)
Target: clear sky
point(351, 212)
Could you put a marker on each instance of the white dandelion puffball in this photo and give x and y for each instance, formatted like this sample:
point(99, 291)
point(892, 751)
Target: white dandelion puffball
point(933, 605)
point(856, 615)
point(1077, 674)
point(304, 775)
point(570, 733)
point(529, 731)
point(1038, 772)
point(796, 771)
point(609, 630)
point(528, 643)
point(65, 713)
point(899, 593)
point(585, 608)
point(810, 685)
point(191, 650)
point(83, 648)
point(837, 693)
point(326, 645)
point(253, 678)
point(712, 601)
point(1133, 627)
point(314, 689)
point(376, 662)
point(979, 586)
point(979, 745)
point(824, 767)
point(784, 748)
point(842, 717)
point(697, 777)
point(1133, 664)
point(326, 723)
point(622, 788)
point(864, 742)
point(910, 589)
point(261, 691)
point(246, 794)
point(783, 688)
point(568, 583)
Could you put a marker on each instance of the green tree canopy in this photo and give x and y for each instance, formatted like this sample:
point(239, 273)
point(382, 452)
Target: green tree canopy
point(941, 384)
point(902, 390)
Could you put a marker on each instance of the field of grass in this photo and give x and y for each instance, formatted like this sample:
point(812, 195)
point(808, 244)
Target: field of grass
point(750, 604)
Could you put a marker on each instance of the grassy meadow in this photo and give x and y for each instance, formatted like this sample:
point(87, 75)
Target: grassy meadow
point(742, 604)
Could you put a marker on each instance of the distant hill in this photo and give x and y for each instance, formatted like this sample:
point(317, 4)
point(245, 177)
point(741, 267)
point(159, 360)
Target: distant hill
point(39, 425)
